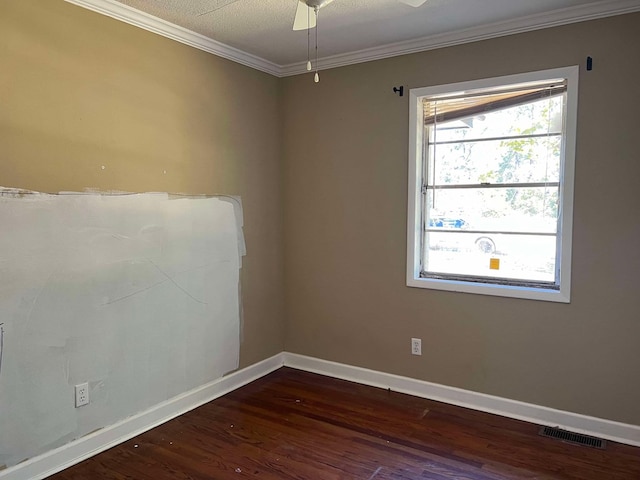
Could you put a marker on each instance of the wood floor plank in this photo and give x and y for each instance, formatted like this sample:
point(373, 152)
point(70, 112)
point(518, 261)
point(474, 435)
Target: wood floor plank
point(295, 425)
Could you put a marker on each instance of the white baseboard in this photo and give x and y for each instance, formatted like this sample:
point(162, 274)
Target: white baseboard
point(63, 457)
point(598, 427)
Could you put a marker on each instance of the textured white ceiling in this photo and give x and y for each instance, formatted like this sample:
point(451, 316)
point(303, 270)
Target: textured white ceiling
point(264, 27)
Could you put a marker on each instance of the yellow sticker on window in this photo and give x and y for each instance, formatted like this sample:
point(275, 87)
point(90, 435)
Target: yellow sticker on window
point(494, 263)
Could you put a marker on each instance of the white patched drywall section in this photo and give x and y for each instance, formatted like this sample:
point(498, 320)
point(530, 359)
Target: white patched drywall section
point(136, 294)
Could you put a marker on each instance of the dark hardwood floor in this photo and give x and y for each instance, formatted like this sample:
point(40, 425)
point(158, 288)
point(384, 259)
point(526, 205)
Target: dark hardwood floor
point(297, 425)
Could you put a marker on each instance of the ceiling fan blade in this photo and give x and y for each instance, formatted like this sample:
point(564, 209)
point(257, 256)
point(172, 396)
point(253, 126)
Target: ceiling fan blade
point(305, 17)
point(413, 3)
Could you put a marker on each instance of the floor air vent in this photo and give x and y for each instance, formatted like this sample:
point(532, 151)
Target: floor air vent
point(574, 438)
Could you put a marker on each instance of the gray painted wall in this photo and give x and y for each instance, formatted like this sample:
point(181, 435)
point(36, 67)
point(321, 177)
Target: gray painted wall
point(345, 230)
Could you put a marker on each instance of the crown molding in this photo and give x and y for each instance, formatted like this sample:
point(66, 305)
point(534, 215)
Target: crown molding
point(143, 20)
point(555, 18)
point(565, 16)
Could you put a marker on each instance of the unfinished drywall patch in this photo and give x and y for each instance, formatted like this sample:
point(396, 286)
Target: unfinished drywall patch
point(135, 294)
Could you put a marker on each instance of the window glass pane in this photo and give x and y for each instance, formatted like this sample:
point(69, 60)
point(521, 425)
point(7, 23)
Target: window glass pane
point(512, 160)
point(542, 116)
point(522, 209)
point(493, 256)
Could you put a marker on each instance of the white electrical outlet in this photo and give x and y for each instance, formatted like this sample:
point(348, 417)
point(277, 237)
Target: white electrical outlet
point(416, 346)
point(82, 394)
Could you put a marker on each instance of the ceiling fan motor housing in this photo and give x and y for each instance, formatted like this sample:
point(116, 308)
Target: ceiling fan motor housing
point(316, 3)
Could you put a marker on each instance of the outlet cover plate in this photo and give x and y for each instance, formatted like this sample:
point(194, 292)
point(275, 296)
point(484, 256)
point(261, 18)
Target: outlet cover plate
point(82, 394)
point(416, 346)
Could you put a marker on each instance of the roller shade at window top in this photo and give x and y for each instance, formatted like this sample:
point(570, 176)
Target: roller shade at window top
point(438, 110)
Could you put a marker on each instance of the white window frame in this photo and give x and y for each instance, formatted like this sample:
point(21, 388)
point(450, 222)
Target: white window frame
point(567, 163)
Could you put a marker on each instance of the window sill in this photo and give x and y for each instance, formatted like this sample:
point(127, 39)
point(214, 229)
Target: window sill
point(529, 293)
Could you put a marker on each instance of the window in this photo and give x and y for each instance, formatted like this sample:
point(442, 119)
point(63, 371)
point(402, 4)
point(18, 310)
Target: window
point(491, 167)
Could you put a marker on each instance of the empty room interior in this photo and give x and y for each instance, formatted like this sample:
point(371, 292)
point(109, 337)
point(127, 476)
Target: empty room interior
point(213, 266)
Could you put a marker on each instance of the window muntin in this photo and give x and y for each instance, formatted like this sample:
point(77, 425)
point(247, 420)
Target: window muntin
point(490, 168)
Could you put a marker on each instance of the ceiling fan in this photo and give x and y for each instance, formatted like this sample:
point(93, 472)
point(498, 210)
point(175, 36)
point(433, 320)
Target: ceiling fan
point(307, 18)
point(306, 12)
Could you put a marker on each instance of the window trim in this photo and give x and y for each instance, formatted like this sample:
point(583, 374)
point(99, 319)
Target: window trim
point(567, 174)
